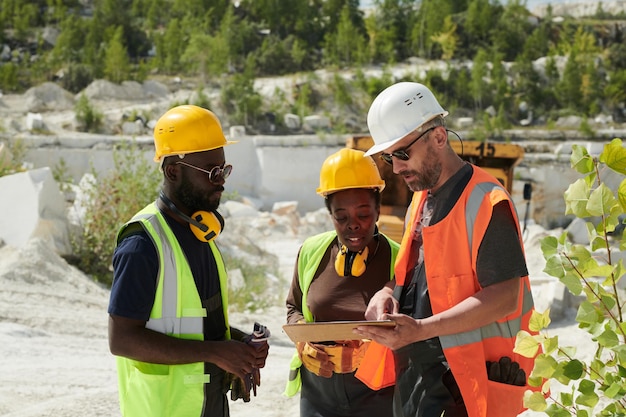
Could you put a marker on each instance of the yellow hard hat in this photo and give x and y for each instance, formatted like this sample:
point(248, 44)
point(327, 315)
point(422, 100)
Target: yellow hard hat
point(187, 129)
point(349, 168)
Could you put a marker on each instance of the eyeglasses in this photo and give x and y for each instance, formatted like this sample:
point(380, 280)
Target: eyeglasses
point(216, 174)
point(401, 153)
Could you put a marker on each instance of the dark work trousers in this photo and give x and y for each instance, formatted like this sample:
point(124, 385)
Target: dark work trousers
point(423, 388)
point(215, 401)
point(342, 395)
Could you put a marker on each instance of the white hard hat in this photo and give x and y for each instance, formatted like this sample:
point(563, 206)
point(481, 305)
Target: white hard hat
point(397, 111)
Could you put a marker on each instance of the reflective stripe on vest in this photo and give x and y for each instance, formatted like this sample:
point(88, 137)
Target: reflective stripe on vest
point(508, 329)
point(449, 283)
point(178, 312)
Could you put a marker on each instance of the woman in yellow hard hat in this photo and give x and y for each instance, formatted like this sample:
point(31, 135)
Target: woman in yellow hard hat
point(336, 274)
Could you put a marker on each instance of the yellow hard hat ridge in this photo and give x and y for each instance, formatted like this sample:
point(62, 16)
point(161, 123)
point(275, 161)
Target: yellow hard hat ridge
point(346, 169)
point(187, 129)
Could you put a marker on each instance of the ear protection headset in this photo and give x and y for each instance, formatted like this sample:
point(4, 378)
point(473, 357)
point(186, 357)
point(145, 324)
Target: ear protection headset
point(205, 225)
point(351, 264)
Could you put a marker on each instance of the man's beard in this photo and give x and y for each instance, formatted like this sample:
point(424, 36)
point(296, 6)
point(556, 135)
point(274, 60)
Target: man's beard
point(193, 199)
point(427, 178)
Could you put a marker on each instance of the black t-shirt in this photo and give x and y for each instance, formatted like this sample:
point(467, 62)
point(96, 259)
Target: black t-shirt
point(136, 264)
point(500, 256)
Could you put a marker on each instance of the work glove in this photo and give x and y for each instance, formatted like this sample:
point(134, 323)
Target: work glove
point(241, 388)
point(259, 334)
point(346, 356)
point(315, 359)
point(506, 372)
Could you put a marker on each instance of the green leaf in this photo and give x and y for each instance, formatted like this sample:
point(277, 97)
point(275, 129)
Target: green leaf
point(588, 400)
point(568, 351)
point(549, 246)
point(613, 391)
point(551, 344)
point(580, 160)
point(587, 313)
point(614, 156)
point(598, 242)
point(535, 381)
point(597, 368)
point(539, 321)
point(576, 198)
point(545, 366)
point(572, 283)
point(574, 369)
point(534, 401)
point(608, 338)
point(592, 269)
point(526, 345)
point(555, 411)
point(582, 413)
point(608, 301)
point(554, 267)
point(567, 399)
point(601, 201)
point(586, 387)
point(621, 194)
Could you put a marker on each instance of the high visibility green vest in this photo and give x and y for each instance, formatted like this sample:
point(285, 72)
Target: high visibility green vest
point(155, 390)
point(311, 254)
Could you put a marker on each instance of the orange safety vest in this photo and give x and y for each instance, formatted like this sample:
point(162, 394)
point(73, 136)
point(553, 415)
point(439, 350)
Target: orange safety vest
point(450, 251)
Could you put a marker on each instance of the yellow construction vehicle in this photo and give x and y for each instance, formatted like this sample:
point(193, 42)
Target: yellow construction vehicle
point(497, 158)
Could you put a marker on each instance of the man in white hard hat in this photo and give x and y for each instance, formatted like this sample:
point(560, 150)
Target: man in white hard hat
point(461, 290)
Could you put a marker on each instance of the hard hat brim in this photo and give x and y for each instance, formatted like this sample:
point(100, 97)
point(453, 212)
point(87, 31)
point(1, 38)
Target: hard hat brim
point(228, 142)
point(326, 193)
point(382, 146)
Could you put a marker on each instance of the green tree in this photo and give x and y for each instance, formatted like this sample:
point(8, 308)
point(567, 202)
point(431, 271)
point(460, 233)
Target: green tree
point(478, 86)
point(568, 89)
point(109, 201)
point(172, 46)
point(447, 39)
point(346, 45)
point(428, 23)
point(480, 16)
point(499, 83)
point(206, 55)
point(116, 63)
point(239, 98)
point(595, 386)
point(511, 30)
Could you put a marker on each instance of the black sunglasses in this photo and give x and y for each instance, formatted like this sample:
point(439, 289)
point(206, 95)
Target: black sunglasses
point(401, 153)
point(216, 174)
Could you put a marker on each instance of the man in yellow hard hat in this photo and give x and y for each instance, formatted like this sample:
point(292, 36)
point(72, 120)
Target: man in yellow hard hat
point(336, 274)
point(168, 312)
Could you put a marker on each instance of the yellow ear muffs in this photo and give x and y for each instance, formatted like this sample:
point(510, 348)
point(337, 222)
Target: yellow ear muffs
point(348, 263)
point(207, 225)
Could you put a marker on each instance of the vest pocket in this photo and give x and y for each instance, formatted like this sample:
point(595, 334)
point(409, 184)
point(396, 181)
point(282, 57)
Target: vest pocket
point(504, 400)
point(146, 395)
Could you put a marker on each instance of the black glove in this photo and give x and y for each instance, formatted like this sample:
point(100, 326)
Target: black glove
point(506, 372)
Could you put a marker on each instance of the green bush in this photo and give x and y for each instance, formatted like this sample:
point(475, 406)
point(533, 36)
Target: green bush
point(596, 386)
point(88, 118)
point(116, 197)
point(12, 161)
point(112, 200)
